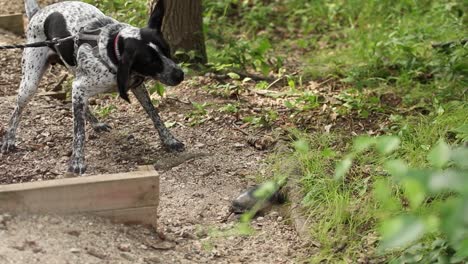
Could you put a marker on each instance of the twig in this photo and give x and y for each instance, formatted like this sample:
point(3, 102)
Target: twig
point(226, 217)
point(58, 86)
point(254, 77)
point(243, 75)
point(208, 173)
point(264, 92)
point(279, 79)
point(178, 100)
point(326, 81)
point(274, 94)
point(240, 130)
point(274, 82)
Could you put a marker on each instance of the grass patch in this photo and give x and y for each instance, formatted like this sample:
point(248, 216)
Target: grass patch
point(340, 213)
point(344, 214)
point(420, 133)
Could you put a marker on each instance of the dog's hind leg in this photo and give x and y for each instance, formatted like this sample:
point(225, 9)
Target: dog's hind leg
point(168, 140)
point(97, 126)
point(79, 105)
point(34, 65)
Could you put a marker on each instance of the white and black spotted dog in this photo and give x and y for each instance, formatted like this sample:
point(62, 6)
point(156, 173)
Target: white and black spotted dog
point(109, 56)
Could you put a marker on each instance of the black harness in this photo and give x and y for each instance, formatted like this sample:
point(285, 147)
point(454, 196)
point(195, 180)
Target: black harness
point(91, 37)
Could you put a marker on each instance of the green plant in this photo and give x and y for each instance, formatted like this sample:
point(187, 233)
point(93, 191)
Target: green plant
point(105, 110)
point(132, 12)
point(226, 90)
point(198, 115)
point(306, 101)
point(437, 199)
point(462, 132)
point(157, 88)
point(265, 119)
point(355, 100)
point(230, 108)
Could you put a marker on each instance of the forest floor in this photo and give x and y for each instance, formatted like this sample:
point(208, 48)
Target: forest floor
point(195, 196)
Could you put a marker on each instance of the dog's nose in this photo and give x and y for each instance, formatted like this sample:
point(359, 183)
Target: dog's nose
point(177, 75)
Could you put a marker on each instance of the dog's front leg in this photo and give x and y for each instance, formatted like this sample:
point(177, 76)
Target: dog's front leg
point(77, 162)
point(168, 140)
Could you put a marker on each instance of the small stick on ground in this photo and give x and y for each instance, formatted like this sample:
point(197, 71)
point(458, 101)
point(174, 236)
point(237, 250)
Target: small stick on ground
point(240, 130)
point(242, 75)
point(226, 218)
point(208, 173)
point(279, 79)
point(178, 100)
point(58, 86)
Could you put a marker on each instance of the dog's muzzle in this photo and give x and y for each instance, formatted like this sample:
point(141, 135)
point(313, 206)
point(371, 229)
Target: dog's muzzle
point(172, 74)
point(177, 76)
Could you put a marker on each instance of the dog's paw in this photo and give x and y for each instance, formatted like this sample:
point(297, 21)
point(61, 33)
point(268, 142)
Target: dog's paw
point(7, 147)
point(174, 145)
point(77, 166)
point(101, 127)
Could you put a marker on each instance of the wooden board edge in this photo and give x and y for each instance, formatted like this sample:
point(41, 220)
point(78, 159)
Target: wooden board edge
point(134, 213)
point(13, 23)
point(77, 180)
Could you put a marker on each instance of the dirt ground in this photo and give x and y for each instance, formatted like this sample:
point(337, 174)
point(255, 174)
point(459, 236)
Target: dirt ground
point(195, 195)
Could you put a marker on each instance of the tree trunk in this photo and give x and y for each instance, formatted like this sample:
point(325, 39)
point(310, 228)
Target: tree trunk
point(183, 28)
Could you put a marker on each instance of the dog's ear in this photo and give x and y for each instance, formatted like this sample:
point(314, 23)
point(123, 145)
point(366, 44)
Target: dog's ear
point(157, 15)
point(123, 72)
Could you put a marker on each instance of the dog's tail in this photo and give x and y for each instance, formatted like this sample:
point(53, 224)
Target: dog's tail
point(31, 8)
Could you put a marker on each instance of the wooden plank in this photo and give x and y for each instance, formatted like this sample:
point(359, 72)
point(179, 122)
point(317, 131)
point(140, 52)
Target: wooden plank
point(13, 23)
point(125, 197)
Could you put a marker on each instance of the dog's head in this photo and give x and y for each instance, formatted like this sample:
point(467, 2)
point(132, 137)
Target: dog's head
point(147, 53)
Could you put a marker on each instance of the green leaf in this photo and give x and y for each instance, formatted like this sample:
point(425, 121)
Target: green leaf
point(415, 192)
point(244, 229)
point(462, 251)
point(170, 124)
point(460, 157)
point(439, 155)
point(233, 75)
point(401, 231)
point(462, 132)
point(291, 84)
point(288, 104)
point(397, 168)
point(343, 167)
point(362, 143)
point(264, 46)
point(328, 153)
point(266, 190)
point(301, 146)
point(160, 89)
point(246, 80)
point(448, 180)
point(363, 113)
point(383, 194)
point(387, 144)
